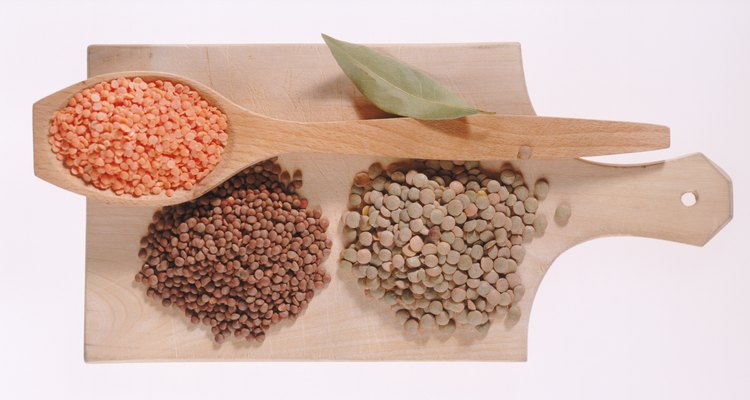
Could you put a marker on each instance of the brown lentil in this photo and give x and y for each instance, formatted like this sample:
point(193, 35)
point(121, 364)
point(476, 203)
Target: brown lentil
point(240, 258)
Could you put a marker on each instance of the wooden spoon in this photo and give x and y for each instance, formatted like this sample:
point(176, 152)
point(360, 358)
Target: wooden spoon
point(254, 137)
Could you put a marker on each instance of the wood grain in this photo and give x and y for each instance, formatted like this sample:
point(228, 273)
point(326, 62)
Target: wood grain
point(341, 323)
point(254, 137)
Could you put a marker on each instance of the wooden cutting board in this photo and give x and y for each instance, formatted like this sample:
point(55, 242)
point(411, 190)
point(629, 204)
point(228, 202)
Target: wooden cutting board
point(302, 82)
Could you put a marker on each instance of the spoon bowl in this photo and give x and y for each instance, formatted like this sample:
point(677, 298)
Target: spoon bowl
point(48, 168)
point(253, 138)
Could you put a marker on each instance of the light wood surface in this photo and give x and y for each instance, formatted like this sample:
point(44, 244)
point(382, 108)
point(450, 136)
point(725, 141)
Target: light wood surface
point(341, 323)
point(254, 137)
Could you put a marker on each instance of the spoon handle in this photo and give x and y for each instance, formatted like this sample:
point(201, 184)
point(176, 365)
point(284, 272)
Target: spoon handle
point(477, 137)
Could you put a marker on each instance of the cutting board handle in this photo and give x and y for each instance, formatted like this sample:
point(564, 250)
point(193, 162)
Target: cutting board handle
point(685, 200)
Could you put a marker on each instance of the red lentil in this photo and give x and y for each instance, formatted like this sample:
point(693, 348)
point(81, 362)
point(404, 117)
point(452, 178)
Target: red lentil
point(139, 138)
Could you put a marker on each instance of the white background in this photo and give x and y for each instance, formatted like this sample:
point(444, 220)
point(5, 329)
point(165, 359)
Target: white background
point(615, 318)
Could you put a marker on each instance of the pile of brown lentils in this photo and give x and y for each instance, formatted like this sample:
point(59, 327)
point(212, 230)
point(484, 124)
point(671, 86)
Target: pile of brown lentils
point(441, 246)
point(244, 256)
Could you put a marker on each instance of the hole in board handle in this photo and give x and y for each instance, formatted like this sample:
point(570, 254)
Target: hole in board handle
point(689, 199)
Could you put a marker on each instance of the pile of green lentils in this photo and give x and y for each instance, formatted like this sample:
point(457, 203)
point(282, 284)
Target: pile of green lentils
point(441, 242)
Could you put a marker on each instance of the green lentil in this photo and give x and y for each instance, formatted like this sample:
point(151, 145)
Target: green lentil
point(562, 214)
point(440, 246)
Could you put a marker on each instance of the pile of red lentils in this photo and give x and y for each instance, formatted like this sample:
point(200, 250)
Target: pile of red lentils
point(139, 138)
point(240, 258)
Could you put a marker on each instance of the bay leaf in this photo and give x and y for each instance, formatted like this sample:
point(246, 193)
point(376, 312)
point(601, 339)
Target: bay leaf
point(396, 87)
